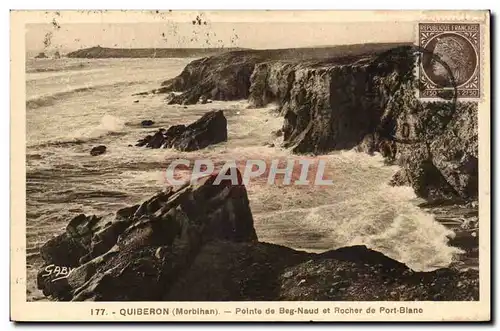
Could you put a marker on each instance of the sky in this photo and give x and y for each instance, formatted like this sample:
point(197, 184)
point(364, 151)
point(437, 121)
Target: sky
point(167, 34)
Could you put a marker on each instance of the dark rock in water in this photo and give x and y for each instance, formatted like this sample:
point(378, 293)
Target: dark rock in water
point(141, 93)
point(41, 55)
point(210, 129)
point(157, 140)
point(136, 101)
point(147, 123)
point(198, 243)
point(98, 150)
point(144, 141)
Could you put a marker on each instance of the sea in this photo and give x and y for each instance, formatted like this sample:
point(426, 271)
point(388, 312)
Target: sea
point(73, 105)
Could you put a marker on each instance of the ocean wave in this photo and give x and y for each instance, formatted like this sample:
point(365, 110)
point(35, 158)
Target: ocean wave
point(50, 99)
point(359, 208)
point(108, 126)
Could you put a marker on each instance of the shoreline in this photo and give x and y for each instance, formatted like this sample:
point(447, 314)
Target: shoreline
point(182, 95)
point(216, 245)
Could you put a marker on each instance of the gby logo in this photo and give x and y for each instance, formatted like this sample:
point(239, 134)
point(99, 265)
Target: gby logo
point(303, 171)
point(56, 271)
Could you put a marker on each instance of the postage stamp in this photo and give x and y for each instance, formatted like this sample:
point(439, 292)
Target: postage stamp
point(451, 59)
point(250, 166)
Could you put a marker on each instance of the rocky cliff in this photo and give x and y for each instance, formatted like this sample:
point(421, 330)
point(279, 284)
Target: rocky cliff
point(198, 243)
point(227, 76)
point(363, 98)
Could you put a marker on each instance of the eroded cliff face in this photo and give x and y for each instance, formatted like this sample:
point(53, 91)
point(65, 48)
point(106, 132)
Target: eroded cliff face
point(326, 106)
point(364, 100)
point(224, 77)
point(369, 103)
point(227, 76)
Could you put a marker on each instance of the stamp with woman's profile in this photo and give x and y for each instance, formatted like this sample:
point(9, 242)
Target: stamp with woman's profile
point(451, 59)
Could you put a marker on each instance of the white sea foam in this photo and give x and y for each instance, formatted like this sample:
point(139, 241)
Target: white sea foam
point(360, 208)
point(109, 124)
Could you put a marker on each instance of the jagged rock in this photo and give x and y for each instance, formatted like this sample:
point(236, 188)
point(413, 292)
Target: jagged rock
point(227, 76)
point(360, 274)
point(197, 243)
point(455, 151)
point(41, 55)
point(364, 100)
point(329, 104)
point(271, 82)
point(210, 129)
point(98, 150)
point(63, 250)
point(52, 282)
point(81, 238)
point(144, 141)
point(157, 140)
point(194, 81)
point(123, 250)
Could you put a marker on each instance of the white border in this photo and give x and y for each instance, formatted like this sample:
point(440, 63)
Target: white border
point(214, 4)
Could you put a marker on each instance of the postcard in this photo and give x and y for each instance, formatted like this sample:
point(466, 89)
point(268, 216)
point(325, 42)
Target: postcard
point(250, 166)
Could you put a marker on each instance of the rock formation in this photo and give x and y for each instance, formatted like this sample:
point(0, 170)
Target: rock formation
point(41, 55)
point(147, 122)
point(198, 243)
point(210, 129)
point(98, 150)
point(363, 98)
point(227, 76)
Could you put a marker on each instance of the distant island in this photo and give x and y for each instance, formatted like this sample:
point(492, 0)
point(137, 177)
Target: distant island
point(103, 52)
